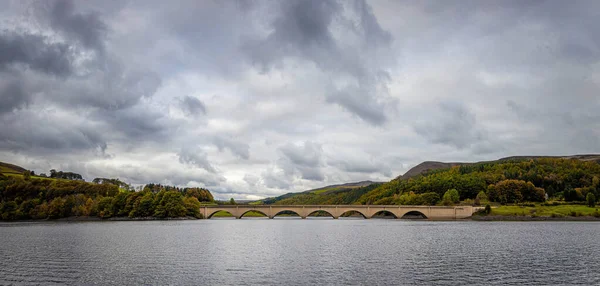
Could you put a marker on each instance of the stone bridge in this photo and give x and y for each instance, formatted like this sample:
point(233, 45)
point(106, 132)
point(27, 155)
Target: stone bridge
point(367, 211)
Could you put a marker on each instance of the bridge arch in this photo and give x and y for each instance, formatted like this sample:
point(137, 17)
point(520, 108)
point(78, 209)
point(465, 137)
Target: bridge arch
point(384, 212)
point(257, 211)
point(287, 212)
point(210, 215)
point(413, 214)
point(353, 211)
point(322, 211)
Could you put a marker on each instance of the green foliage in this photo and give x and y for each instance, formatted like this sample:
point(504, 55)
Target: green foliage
point(38, 198)
point(591, 200)
point(488, 209)
point(329, 196)
point(170, 205)
point(232, 201)
point(482, 197)
point(202, 195)
point(414, 199)
point(451, 197)
point(547, 175)
point(515, 191)
point(192, 206)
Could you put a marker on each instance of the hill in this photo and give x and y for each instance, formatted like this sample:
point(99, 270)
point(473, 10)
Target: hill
point(506, 180)
point(333, 194)
point(558, 177)
point(434, 165)
point(66, 194)
point(6, 168)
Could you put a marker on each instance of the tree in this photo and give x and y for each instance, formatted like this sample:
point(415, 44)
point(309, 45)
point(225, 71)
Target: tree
point(482, 197)
point(591, 200)
point(171, 205)
point(451, 197)
point(27, 175)
point(232, 201)
point(192, 205)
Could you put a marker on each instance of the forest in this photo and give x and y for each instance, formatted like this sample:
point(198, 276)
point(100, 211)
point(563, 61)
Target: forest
point(505, 182)
point(510, 181)
point(27, 197)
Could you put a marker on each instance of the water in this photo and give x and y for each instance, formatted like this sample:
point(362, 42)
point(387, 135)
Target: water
point(299, 252)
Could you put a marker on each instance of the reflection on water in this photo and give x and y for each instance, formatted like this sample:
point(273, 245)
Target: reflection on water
point(294, 251)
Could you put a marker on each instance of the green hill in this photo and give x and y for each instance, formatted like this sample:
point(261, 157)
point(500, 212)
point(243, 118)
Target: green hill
point(512, 179)
point(506, 180)
point(6, 168)
point(66, 194)
point(334, 194)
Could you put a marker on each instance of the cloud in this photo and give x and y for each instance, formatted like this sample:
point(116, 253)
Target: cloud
point(35, 52)
point(452, 124)
point(304, 158)
point(356, 57)
point(192, 106)
point(240, 149)
point(86, 28)
point(196, 157)
point(12, 95)
point(258, 98)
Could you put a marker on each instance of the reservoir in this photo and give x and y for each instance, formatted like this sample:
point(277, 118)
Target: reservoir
point(287, 251)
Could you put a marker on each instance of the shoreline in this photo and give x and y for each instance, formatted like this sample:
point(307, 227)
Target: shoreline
point(532, 218)
point(91, 218)
point(480, 218)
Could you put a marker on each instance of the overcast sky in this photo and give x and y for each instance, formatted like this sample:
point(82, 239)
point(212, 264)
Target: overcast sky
point(259, 98)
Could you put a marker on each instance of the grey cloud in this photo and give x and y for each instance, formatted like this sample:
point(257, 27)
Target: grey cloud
point(240, 149)
point(452, 124)
point(36, 133)
point(143, 174)
point(196, 157)
point(358, 101)
point(251, 180)
point(12, 94)
point(192, 105)
point(86, 28)
point(305, 158)
point(303, 30)
point(35, 52)
point(136, 123)
point(93, 84)
point(362, 166)
point(306, 154)
point(273, 178)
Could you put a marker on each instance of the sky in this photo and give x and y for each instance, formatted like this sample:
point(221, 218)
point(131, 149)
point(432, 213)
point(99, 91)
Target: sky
point(253, 99)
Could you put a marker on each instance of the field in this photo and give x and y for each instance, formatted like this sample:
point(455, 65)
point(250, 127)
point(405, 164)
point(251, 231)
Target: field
point(546, 211)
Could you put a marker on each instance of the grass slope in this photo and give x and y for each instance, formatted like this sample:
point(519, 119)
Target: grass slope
point(335, 194)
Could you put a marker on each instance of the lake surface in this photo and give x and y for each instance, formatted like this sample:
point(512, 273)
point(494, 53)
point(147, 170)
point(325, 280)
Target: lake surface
point(295, 252)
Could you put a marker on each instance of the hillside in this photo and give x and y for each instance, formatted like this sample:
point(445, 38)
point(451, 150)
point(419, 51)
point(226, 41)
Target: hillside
point(66, 194)
point(559, 177)
point(6, 168)
point(433, 165)
point(333, 194)
point(510, 179)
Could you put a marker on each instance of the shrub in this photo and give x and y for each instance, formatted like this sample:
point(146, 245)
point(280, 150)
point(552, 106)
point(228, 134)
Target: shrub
point(488, 209)
point(591, 200)
point(450, 197)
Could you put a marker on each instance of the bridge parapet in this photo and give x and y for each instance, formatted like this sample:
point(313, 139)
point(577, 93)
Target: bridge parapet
point(367, 211)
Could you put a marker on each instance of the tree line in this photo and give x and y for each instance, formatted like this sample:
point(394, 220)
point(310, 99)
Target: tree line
point(38, 198)
point(514, 181)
